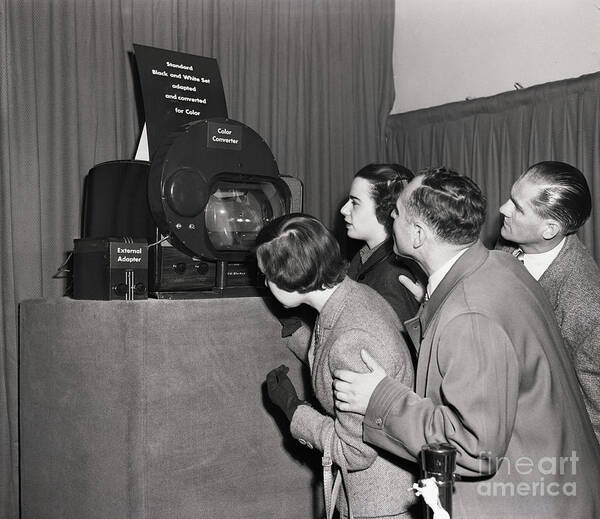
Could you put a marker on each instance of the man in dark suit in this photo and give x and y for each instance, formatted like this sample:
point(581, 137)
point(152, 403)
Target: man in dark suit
point(493, 377)
point(547, 205)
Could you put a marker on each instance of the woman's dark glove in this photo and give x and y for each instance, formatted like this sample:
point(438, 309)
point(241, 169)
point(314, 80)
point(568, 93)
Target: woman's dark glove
point(282, 392)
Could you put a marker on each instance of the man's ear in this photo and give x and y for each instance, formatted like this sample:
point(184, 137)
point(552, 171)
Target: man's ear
point(418, 234)
point(551, 229)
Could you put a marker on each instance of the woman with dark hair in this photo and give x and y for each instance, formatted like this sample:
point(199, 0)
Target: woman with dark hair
point(302, 264)
point(371, 200)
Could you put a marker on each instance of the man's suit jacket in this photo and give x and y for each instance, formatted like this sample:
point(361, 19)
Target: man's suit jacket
point(494, 380)
point(572, 283)
point(356, 317)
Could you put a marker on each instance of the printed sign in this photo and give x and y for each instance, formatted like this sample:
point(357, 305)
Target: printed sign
point(224, 136)
point(177, 89)
point(128, 255)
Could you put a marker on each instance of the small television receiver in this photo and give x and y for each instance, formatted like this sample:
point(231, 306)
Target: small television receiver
point(211, 188)
point(200, 204)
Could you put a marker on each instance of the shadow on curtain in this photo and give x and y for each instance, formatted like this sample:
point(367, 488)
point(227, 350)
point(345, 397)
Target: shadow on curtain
point(494, 139)
point(313, 78)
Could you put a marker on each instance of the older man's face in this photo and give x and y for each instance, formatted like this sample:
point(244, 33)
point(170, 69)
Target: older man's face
point(402, 224)
point(522, 225)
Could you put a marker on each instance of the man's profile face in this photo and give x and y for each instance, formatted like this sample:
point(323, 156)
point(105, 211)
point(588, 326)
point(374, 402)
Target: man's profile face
point(522, 225)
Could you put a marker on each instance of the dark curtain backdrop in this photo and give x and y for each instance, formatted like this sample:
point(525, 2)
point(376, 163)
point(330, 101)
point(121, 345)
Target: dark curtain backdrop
point(312, 77)
point(494, 139)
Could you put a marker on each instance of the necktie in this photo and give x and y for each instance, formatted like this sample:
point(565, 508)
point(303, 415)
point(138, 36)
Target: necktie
point(519, 254)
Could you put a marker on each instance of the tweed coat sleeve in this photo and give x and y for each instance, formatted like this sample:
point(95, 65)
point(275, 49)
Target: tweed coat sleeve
point(342, 432)
point(587, 365)
point(578, 315)
point(475, 371)
point(572, 283)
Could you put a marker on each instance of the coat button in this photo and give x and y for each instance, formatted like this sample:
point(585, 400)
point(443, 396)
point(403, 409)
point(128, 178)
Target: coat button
point(379, 422)
point(302, 441)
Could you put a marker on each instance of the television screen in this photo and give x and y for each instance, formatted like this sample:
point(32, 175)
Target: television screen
point(237, 211)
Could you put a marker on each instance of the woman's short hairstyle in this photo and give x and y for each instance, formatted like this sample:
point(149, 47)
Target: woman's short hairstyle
point(299, 254)
point(387, 181)
point(451, 204)
point(563, 194)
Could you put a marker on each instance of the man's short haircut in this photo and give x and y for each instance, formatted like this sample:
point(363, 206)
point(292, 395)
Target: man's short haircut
point(563, 196)
point(387, 181)
point(298, 253)
point(451, 204)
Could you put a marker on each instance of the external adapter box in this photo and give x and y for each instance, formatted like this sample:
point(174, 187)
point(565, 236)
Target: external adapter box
point(110, 268)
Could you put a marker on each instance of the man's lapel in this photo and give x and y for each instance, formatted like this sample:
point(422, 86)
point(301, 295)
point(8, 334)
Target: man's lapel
point(467, 263)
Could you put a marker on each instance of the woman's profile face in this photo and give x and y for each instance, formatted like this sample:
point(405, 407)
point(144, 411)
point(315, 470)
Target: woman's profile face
point(359, 212)
point(287, 299)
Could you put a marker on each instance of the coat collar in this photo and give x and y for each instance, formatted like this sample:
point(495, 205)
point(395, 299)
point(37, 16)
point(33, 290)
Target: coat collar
point(381, 254)
point(554, 276)
point(469, 262)
point(556, 268)
point(335, 304)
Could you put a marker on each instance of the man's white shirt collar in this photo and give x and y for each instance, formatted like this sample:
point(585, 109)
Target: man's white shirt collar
point(537, 264)
point(436, 278)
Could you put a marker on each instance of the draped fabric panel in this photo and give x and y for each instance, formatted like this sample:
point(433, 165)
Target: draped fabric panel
point(312, 77)
point(493, 140)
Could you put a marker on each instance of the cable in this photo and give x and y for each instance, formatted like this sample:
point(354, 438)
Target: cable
point(62, 268)
point(168, 236)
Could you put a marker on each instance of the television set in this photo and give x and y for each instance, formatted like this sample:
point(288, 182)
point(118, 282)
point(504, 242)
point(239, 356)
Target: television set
point(199, 204)
point(212, 186)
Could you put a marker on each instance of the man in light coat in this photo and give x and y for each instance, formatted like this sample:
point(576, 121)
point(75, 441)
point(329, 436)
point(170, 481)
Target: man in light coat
point(493, 377)
point(547, 205)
